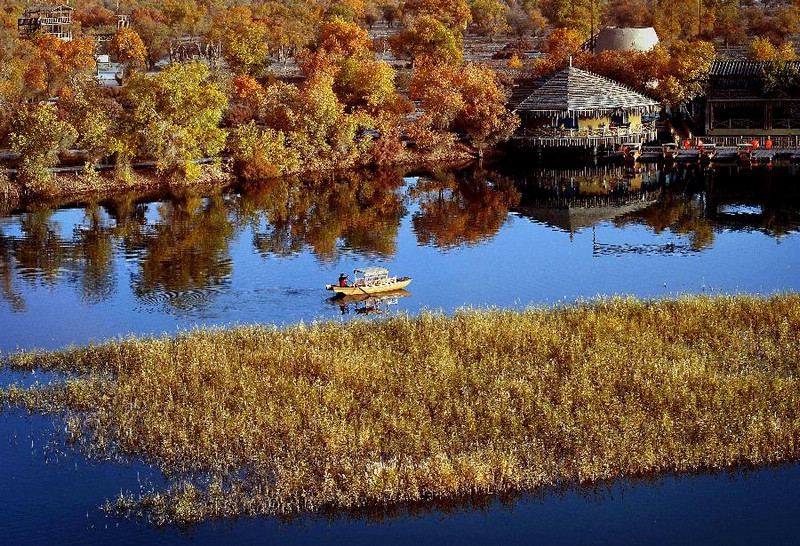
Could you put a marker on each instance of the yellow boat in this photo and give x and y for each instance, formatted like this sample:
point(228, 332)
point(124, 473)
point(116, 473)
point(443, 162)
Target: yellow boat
point(370, 280)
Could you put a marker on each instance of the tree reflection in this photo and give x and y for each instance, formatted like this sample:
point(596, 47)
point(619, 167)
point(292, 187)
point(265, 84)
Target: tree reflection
point(93, 252)
point(461, 209)
point(10, 293)
point(40, 252)
point(683, 215)
point(187, 252)
point(361, 209)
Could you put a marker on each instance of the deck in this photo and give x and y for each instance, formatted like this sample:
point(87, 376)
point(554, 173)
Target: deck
point(583, 138)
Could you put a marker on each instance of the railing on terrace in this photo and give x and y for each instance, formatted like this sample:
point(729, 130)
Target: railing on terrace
point(786, 142)
point(554, 136)
point(738, 123)
point(788, 123)
point(734, 94)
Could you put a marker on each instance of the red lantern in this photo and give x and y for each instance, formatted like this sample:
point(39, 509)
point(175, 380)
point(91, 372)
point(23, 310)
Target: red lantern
point(768, 144)
point(755, 144)
point(687, 144)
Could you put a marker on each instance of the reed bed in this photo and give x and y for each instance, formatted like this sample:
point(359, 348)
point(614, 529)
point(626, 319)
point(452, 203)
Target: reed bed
point(260, 420)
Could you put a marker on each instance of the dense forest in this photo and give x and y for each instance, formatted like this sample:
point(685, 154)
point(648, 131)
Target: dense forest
point(283, 86)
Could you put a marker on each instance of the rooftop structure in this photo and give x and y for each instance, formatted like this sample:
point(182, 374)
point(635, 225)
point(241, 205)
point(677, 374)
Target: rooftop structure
point(626, 39)
point(55, 20)
point(577, 104)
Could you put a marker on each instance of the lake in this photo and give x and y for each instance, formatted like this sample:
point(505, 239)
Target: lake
point(509, 236)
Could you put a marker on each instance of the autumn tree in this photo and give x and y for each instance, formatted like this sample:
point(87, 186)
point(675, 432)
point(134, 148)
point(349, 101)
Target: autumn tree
point(583, 16)
point(489, 17)
point(344, 50)
point(245, 44)
point(184, 16)
point(152, 27)
point(94, 115)
point(523, 19)
point(290, 25)
point(673, 74)
point(351, 11)
point(428, 37)
point(454, 14)
point(561, 44)
point(762, 49)
point(467, 99)
point(246, 95)
point(729, 24)
point(261, 152)
point(57, 62)
point(174, 117)
point(324, 131)
point(39, 136)
point(129, 49)
point(627, 13)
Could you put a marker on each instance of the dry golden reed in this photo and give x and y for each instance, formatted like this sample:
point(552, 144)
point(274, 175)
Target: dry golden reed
point(335, 415)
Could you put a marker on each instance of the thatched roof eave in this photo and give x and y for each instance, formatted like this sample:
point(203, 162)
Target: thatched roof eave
point(578, 92)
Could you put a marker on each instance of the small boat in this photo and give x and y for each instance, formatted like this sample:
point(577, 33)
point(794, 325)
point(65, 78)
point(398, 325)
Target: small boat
point(370, 280)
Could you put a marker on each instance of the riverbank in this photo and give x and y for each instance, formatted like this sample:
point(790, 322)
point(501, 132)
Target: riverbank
point(259, 420)
point(214, 175)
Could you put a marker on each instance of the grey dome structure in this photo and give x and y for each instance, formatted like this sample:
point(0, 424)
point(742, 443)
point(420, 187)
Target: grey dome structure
point(626, 39)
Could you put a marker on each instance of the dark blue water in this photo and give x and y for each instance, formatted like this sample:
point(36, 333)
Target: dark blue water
point(509, 237)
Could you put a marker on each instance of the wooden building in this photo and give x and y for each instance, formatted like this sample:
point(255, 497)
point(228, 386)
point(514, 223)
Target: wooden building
point(576, 108)
point(739, 103)
point(55, 20)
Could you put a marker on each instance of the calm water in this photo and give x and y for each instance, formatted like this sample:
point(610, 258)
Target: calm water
point(471, 238)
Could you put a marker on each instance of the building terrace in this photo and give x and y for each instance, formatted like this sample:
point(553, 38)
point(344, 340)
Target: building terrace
point(55, 20)
point(740, 103)
point(579, 109)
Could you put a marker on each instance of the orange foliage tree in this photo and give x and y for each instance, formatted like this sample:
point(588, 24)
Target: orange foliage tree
point(129, 48)
point(455, 14)
point(468, 99)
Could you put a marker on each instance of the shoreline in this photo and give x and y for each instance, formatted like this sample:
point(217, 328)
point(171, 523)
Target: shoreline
point(98, 185)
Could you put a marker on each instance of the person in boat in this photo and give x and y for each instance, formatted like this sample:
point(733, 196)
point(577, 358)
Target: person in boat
point(342, 279)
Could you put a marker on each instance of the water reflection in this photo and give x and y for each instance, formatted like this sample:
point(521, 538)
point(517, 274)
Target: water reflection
point(186, 256)
point(179, 254)
point(360, 210)
point(369, 304)
point(461, 208)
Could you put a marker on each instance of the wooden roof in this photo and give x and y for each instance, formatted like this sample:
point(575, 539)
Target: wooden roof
point(46, 8)
point(744, 68)
point(573, 91)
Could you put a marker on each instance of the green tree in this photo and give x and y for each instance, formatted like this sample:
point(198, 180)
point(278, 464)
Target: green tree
point(245, 43)
point(38, 135)
point(428, 37)
point(174, 117)
point(261, 152)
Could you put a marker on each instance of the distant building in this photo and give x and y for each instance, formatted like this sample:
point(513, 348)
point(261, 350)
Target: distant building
point(55, 20)
point(625, 39)
point(738, 104)
point(577, 108)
